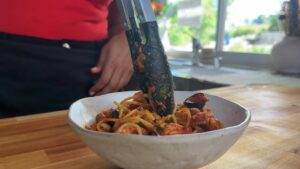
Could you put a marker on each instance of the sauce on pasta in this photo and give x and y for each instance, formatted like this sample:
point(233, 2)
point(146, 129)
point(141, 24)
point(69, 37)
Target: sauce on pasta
point(134, 115)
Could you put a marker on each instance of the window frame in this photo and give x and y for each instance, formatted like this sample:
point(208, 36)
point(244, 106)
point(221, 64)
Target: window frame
point(248, 60)
point(228, 58)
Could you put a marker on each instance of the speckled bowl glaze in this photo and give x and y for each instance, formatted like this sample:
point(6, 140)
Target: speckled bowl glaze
point(189, 151)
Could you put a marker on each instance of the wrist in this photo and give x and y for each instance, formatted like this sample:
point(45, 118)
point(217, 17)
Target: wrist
point(119, 35)
point(115, 31)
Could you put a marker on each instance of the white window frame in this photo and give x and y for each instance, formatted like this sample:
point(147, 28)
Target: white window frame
point(249, 60)
point(233, 59)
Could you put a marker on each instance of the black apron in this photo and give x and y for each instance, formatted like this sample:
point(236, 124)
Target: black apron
point(38, 75)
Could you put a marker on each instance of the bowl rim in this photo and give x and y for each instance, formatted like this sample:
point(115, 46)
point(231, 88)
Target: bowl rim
point(214, 133)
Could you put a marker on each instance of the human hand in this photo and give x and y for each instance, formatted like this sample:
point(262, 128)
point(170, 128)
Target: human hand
point(115, 66)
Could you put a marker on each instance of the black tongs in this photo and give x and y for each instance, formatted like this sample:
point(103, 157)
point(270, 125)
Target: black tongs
point(150, 61)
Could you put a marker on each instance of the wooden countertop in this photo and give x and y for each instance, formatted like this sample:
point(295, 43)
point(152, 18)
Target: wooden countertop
point(272, 139)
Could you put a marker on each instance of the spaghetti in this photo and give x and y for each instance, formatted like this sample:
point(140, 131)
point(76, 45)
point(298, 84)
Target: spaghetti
point(134, 115)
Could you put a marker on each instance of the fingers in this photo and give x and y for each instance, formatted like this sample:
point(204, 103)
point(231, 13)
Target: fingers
point(112, 86)
point(99, 67)
point(125, 79)
point(115, 66)
point(103, 81)
point(120, 78)
point(96, 69)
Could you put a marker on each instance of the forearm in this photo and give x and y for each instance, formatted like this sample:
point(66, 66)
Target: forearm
point(114, 20)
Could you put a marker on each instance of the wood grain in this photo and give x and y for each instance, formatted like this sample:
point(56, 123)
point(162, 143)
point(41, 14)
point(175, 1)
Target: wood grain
point(271, 141)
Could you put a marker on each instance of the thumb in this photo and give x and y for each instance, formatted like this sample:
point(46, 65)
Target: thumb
point(98, 67)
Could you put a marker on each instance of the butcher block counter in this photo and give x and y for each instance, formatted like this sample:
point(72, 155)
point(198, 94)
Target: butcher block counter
point(272, 140)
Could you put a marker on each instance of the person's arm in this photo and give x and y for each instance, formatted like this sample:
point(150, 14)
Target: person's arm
point(114, 20)
point(115, 65)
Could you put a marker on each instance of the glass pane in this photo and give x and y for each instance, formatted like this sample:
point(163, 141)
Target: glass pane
point(180, 20)
point(252, 26)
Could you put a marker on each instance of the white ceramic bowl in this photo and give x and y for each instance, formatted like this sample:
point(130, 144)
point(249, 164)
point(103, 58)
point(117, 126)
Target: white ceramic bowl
point(159, 152)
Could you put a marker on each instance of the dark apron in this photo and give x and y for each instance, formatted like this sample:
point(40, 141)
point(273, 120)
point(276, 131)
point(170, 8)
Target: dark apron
point(38, 75)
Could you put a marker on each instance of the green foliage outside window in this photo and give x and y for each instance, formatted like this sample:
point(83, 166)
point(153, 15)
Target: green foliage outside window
point(250, 31)
point(180, 35)
point(247, 30)
point(207, 29)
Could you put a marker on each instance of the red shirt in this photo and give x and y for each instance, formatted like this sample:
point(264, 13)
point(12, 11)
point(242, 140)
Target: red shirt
point(84, 20)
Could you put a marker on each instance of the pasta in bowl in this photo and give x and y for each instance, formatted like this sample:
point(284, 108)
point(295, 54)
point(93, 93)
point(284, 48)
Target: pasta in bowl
point(134, 115)
point(151, 150)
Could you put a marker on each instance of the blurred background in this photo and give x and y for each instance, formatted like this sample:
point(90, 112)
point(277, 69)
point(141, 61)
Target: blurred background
point(214, 43)
point(232, 41)
point(250, 26)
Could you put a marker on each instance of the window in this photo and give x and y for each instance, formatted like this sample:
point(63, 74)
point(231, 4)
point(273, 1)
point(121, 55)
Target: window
point(182, 20)
point(252, 26)
point(242, 32)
